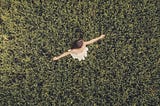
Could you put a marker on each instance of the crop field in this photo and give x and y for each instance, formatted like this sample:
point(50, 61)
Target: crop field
point(123, 69)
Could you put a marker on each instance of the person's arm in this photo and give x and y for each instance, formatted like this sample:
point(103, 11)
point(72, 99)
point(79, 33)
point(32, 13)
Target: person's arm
point(94, 40)
point(62, 55)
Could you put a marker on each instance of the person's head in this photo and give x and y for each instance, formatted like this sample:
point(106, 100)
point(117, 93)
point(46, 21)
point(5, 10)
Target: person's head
point(77, 44)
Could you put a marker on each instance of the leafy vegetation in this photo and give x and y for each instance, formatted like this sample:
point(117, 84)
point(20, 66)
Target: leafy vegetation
point(123, 69)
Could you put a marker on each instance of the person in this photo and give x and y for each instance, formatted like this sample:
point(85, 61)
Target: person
point(79, 49)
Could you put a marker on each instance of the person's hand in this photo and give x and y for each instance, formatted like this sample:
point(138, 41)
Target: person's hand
point(102, 36)
point(55, 58)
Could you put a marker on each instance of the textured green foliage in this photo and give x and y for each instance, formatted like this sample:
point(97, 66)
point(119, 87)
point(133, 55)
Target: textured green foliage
point(123, 69)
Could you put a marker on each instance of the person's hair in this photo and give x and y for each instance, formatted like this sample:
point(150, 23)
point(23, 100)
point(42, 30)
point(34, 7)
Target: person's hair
point(77, 44)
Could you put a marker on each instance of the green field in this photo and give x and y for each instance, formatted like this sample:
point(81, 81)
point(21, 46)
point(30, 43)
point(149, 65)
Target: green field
point(121, 70)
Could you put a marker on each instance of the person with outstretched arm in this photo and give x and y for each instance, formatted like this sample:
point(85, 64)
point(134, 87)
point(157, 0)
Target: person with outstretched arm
point(79, 49)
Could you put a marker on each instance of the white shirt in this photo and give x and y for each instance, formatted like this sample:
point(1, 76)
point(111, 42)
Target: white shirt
point(80, 56)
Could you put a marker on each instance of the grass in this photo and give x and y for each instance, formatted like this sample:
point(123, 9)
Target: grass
point(122, 69)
